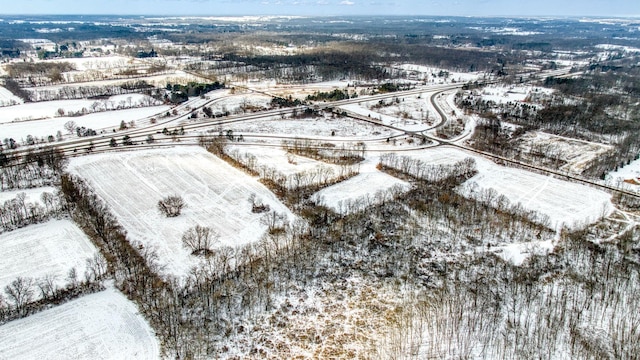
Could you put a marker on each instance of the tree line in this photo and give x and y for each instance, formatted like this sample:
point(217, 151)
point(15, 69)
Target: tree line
point(346, 154)
point(17, 212)
point(35, 168)
point(26, 296)
point(422, 170)
point(94, 92)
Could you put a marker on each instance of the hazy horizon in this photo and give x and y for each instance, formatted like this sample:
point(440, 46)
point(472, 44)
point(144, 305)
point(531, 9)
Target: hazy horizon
point(482, 8)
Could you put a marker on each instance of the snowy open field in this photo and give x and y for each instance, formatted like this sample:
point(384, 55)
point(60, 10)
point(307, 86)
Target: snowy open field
point(316, 126)
point(39, 110)
point(630, 173)
point(99, 63)
point(101, 120)
point(297, 91)
point(565, 203)
point(276, 158)
point(577, 153)
point(428, 73)
point(50, 248)
point(392, 120)
point(517, 253)
point(360, 190)
point(514, 93)
point(105, 325)
point(216, 195)
point(409, 110)
point(49, 109)
point(233, 104)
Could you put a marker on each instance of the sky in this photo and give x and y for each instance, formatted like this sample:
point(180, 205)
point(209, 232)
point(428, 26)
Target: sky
point(622, 8)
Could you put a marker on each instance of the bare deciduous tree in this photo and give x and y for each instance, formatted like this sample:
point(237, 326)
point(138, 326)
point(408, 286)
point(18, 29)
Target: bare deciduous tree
point(171, 206)
point(70, 126)
point(47, 286)
point(72, 278)
point(200, 239)
point(96, 268)
point(275, 222)
point(20, 292)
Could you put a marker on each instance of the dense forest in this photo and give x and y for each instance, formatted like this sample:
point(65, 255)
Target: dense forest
point(411, 272)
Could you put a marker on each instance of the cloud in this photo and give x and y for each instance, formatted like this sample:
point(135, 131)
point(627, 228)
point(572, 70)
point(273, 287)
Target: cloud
point(346, 2)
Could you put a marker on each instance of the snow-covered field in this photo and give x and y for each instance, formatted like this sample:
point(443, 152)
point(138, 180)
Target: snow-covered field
point(577, 153)
point(216, 195)
point(630, 173)
point(317, 126)
point(298, 91)
point(514, 93)
point(565, 203)
point(414, 109)
point(428, 73)
point(411, 125)
point(517, 253)
point(7, 98)
point(50, 109)
point(97, 121)
point(276, 158)
point(359, 191)
point(50, 248)
point(618, 47)
point(506, 30)
point(234, 104)
point(104, 325)
point(39, 110)
point(99, 63)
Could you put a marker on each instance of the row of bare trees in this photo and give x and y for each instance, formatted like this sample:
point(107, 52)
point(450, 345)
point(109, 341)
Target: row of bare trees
point(346, 154)
point(25, 296)
point(88, 92)
point(422, 170)
point(18, 212)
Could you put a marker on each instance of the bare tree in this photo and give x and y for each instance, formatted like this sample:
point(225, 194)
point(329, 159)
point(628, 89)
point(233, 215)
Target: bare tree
point(275, 222)
point(48, 199)
point(70, 126)
point(47, 286)
point(96, 268)
point(171, 206)
point(200, 239)
point(20, 291)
